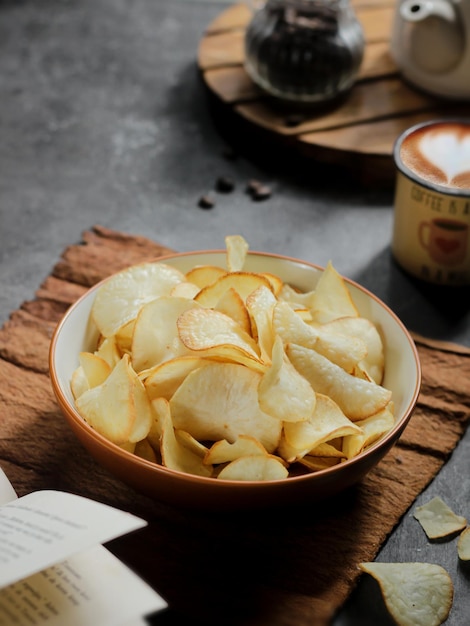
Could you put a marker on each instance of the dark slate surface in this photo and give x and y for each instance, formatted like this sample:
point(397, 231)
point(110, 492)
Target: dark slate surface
point(104, 119)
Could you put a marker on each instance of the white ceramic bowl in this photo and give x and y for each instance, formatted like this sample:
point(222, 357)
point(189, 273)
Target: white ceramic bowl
point(76, 333)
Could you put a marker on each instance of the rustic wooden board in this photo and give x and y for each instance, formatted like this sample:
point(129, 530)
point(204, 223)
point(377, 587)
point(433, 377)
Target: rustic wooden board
point(364, 125)
point(299, 566)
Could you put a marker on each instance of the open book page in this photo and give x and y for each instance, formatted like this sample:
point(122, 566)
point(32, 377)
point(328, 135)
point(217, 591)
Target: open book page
point(53, 570)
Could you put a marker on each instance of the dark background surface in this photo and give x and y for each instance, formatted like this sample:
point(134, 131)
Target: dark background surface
point(104, 120)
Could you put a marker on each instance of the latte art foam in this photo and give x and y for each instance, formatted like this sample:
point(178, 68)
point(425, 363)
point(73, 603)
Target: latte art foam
point(439, 154)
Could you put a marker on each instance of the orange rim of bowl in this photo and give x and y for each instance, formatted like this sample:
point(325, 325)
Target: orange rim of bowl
point(385, 441)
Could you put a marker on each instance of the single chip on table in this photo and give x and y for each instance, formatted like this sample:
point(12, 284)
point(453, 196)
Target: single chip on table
point(438, 519)
point(415, 594)
point(463, 545)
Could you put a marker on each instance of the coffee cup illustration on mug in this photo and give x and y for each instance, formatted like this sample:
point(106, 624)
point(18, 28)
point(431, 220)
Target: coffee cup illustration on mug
point(445, 240)
point(431, 228)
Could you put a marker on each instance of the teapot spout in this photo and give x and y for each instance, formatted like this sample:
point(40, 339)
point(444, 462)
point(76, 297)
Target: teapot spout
point(419, 10)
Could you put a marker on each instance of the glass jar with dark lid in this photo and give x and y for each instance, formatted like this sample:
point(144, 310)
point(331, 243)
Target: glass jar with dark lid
point(306, 51)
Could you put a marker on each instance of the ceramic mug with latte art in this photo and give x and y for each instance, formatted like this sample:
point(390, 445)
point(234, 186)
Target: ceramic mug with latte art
point(431, 232)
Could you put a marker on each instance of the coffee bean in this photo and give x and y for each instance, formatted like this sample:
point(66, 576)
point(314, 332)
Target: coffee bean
point(206, 202)
point(253, 185)
point(224, 184)
point(262, 193)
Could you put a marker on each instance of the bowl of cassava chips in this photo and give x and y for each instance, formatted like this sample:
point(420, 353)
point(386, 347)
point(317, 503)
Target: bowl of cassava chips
point(231, 379)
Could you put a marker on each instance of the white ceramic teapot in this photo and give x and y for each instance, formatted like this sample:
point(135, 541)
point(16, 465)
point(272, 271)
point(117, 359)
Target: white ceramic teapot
point(431, 45)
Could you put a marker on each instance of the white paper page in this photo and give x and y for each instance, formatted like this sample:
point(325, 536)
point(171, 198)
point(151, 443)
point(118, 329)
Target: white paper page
point(91, 588)
point(7, 493)
point(46, 527)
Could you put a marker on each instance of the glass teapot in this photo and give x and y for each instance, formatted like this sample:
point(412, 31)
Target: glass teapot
point(304, 51)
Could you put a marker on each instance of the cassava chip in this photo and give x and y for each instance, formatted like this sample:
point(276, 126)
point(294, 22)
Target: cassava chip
point(341, 349)
point(223, 451)
point(438, 519)
point(109, 408)
point(215, 334)
point(237, 248)
point(232, 305)
point(156, 338)
point(176, 455)
point(363, 329)
point(185, 289)
point(164, 379)
point(119, 299)
point(256, 467)
point(357, 398)
point(203, 275)
point(372, 428)
point(220, 401)
point(331, 298)
point(283, 392)
point(415, 594)
point(244, 283)
point(463, 545)
point(327, 422)
point(260, 305)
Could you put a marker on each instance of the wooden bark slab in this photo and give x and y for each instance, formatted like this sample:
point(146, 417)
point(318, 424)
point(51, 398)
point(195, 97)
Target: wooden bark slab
point(298, 565)
point(358, 133)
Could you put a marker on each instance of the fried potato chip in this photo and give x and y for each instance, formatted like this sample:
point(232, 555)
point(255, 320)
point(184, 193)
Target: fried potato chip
point(119, 299)
point(283, 392)
point(415, 594)
point(463, 545)
point(232, 305)
point(327, 422)
point(237, 248)
point(175, 455)
point(332, 298)
point(356, 397)
point(223, 451)
point(244, 283)
point(257, 467)
point(438, 519)
point(156, 338)
point(109, 408)
point(164, 379)
point(233, 409)
point(373, 428)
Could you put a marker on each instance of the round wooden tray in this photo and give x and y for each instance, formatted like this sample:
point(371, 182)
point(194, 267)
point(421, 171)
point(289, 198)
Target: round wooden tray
point(359, 133)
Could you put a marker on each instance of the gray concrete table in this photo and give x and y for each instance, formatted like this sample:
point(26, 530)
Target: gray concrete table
point(104, 120)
